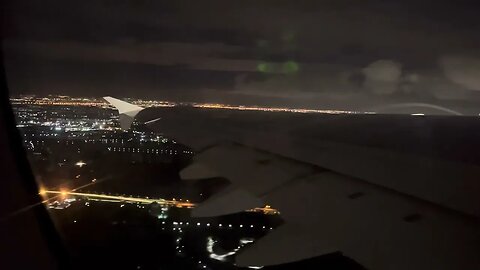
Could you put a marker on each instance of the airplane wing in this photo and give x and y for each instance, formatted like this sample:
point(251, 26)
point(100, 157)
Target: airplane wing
point(126, 111)
point(391, 192)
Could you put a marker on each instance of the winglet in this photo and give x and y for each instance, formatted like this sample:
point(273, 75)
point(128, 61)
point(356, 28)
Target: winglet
point(126, 110)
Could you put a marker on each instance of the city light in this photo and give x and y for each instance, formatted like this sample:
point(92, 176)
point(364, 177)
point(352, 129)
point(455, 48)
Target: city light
point(93, 102)
point(129, 199)
point(80, 164)
point(273, 109)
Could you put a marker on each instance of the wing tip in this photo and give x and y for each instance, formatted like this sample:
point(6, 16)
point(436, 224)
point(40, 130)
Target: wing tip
point(126, 110)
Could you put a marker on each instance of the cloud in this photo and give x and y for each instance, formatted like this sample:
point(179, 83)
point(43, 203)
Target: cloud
point(462, 70)
point(383, 76)
point(437, 86)
point(380, 84)
point(193, 56)
point(334, 82)
point(406, 31)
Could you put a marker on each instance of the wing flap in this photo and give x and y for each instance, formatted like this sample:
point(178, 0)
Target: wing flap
point(255, 171)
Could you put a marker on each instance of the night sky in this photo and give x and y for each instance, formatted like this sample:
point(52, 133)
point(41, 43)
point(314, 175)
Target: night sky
point(317, 54)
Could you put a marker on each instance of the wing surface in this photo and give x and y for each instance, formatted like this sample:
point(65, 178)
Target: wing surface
point(389, 201)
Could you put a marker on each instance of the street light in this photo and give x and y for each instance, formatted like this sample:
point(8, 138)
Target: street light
point(80, 164)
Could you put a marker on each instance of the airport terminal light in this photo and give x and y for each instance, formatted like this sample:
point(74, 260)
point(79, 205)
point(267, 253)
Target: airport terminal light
point(80, 164)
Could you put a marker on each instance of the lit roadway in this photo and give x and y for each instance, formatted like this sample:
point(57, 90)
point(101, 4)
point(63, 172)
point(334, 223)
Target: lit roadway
point(113, 198)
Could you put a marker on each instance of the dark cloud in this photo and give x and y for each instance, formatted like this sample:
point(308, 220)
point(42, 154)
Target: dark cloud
point(85, 79)
point(196, 56)
point(383, 76)
point(463, 70)
point(329, 52)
